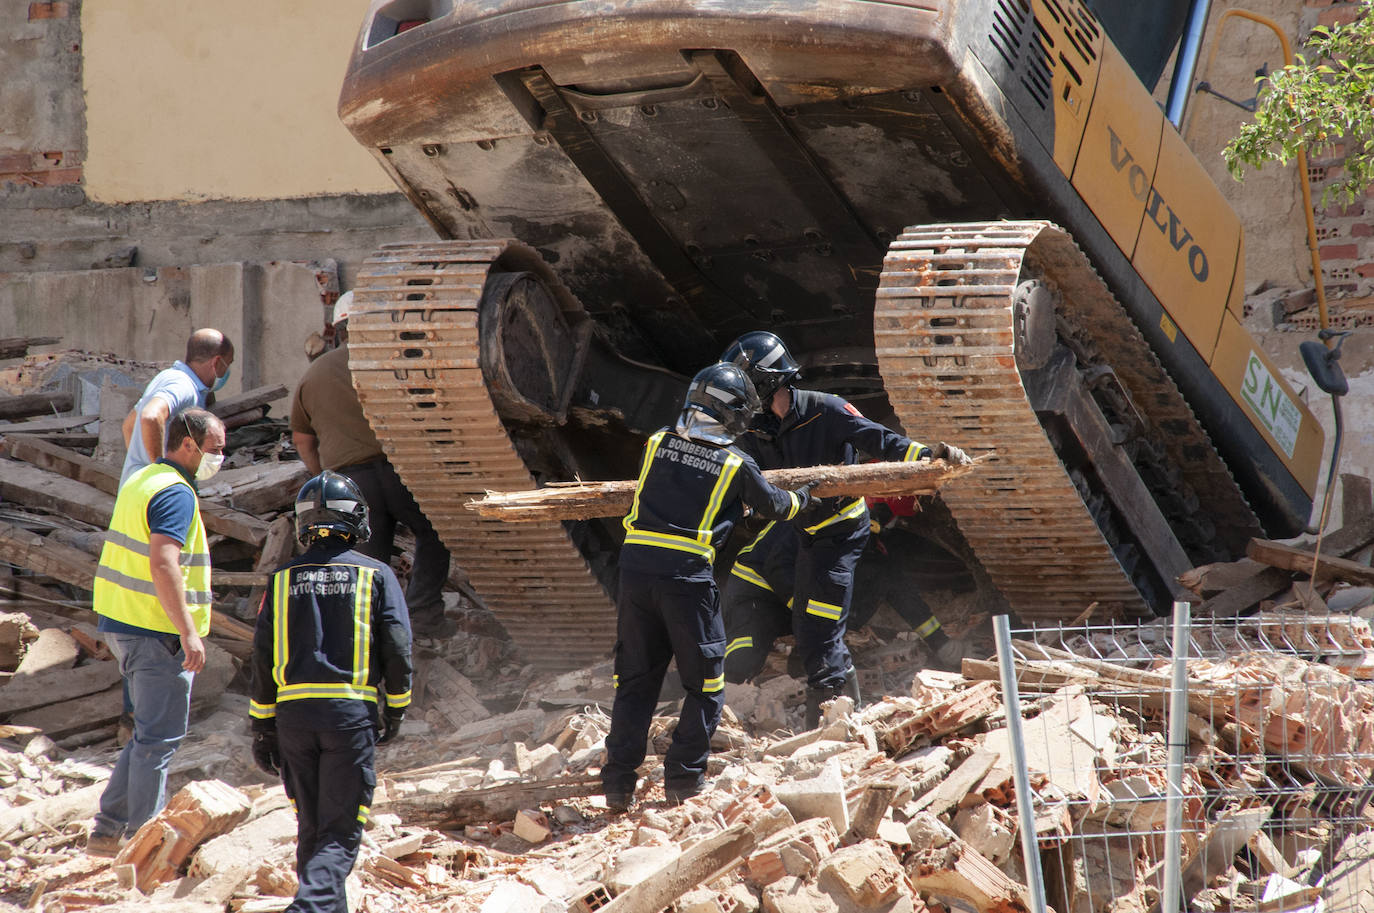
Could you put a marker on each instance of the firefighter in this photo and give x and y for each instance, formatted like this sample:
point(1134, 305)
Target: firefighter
point(807, 428)
point(693, 487)
point(331, 680)
point(884, 578)
point(757, 598)
point(757, 601)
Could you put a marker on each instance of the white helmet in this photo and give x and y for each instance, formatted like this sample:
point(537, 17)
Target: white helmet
point(343, 308)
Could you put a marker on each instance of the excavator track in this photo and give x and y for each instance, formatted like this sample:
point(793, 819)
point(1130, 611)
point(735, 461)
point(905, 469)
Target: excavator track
point(414, 355)
point(946, 341)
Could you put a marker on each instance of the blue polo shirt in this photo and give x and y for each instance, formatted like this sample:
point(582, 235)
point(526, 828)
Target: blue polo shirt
point(179, 387)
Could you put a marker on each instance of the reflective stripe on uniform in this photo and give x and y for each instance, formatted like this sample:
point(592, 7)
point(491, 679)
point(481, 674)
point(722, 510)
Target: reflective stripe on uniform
point(739, 643)
point(928, 627)
point(364, 812)
point(362, 627)
point(329, 690)
point(913, 452)
point(712, 685)
point(398, 700)
point(650, 448)
point(668, 540)
point(281, 641)
point(848, 512)
point(824, 609)
point(262, 711)
point(749, 575)
point(733, 461)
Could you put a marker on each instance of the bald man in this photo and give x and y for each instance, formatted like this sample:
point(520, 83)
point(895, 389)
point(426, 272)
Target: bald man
point(209, 355)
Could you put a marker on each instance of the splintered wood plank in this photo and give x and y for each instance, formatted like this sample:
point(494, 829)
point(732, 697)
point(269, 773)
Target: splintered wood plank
point(585, 500)
point(18, 346)
point(1291, 558)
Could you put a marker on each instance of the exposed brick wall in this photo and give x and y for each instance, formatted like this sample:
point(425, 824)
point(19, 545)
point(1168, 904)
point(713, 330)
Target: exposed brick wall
point(1346, 233)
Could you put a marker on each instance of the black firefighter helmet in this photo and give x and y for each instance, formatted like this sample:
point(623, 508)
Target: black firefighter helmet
point(331, 504)
point(720, 404)
point(765, 358)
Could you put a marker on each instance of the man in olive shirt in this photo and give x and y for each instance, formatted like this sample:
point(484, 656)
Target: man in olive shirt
point(330, 431)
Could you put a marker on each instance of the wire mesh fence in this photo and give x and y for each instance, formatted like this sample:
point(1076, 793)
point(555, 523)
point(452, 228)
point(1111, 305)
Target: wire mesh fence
point(1272, 778)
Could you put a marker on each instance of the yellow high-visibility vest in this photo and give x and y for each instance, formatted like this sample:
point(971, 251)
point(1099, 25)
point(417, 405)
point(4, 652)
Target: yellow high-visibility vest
point(124, 588)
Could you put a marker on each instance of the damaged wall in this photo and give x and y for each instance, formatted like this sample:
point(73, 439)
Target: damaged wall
point(267, 309)
point(229, 101)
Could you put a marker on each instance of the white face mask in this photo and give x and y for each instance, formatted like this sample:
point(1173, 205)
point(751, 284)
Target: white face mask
point(209, 465)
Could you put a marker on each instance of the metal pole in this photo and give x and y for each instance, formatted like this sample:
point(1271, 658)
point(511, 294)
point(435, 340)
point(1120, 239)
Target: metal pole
point(1025, 802)
point(1170, 900)
point(1181, 84)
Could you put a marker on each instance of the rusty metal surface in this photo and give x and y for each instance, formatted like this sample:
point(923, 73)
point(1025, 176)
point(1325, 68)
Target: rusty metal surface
point(413, 351)
point(946, 350)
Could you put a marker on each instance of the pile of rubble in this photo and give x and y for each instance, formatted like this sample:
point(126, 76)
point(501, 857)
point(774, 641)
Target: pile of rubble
point(905, 805)
point(490, 801)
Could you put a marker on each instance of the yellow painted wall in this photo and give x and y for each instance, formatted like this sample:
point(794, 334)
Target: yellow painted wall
point(208, 100)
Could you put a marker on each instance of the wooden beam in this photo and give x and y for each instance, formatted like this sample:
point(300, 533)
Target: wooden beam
point(34, 487)
point(1301, 560)
point(41, 556)
point(18, 346)
point(46, 455)
point(495, 803)
point(249, 399)
point(217, 517)
point(1269, 582)
point(56, 685)
point(42, 425)
point(586, 500)
point(27, 404)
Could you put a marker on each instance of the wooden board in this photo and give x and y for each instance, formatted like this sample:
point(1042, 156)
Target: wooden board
point(1301, 560)
point(249, 399)
point(62, 562)
point(34, 487)
point(82, 714)
point(586, 500)
point(38, 425)
point(57, 685)
point(73, 465)
point(27, 404)
point(217, 517)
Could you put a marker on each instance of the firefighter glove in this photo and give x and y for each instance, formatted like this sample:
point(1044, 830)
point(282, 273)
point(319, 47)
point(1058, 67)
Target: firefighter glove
point(391, 724)
point(804, 496)
point(950, 454)
point(266, 754)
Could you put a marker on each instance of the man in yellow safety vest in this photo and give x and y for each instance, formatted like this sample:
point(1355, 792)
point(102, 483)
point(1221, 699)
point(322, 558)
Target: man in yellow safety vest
point(152, 594)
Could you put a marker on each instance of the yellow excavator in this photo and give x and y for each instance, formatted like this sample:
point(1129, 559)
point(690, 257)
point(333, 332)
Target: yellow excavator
point(967, 216)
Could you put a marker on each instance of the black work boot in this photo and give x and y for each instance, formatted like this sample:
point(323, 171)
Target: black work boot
point(814, 698)
point(850, 688)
